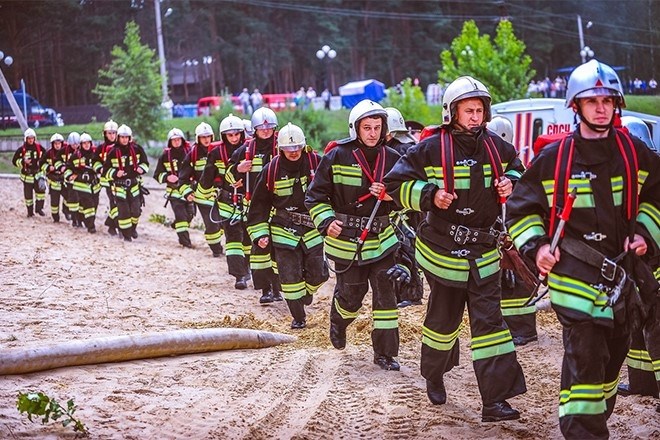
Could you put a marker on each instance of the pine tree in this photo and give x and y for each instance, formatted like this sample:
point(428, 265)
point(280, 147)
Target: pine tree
point(133, 94)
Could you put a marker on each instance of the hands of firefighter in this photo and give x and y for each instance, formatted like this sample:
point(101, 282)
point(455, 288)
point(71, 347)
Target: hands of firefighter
point(335, 228)
point(190, 197)
point(638, 244)
point(443, 199)
point(244, 166)
point(238, 184)
point(172, 178)
point(27, 161)
point(545, 260)
point(263, 242)
point(140, 170)
point(398, 274)
point(376, 188)
point(73, 177)
point(504, 187)
point(120, 173)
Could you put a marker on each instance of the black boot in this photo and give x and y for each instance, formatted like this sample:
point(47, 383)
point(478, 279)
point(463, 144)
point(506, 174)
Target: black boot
point(67, 213)
point(307, 299)
point(387, 363)
point(266, 296)
point(436, 392)
point(499, 411)
point(184, 239)
point(277, 296)
point(112, 230)
point(337, 336)
point(56, 218)
point(298, 324)
point(241, 283)
point(623, 389)
point(524, 340)
point(30, 210)
point(133, 230)
point(40, 208)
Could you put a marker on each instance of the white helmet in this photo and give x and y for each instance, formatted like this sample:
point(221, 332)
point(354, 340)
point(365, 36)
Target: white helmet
point(231, 123)
point(264, 118)
point(502, 127)
point(594, 79)
point(73, 138)
point(363, 109)
point(29, 133)
point(110, 126)
point(248, 127)
point(174, 133)
point(56, 137)
point(395, 121)
point(203, 129)
point(291, 138)
point(638, 127)
point(85, 138)
point(124, 130)
point(462, 88)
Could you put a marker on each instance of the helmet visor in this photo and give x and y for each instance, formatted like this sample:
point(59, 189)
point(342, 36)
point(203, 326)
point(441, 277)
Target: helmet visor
point(294, 147)
point(265, 126)
point(598, 91)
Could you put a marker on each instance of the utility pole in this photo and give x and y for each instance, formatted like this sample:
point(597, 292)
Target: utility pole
point(581, 36)
point(10, 95)
point(166, 104)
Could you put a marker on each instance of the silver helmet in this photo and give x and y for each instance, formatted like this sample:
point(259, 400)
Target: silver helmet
point(175, 133)
point(56, 137)
point(110, 126)
point(462, 88)
point(124, 130)
point(73, 138)
point(291, 138)
point(363, 109)
point(264, 118)
point(231, 124)
point(85, 138)
point(502, 127)
point(594, 79)
point(203, 129)
point(637, 127)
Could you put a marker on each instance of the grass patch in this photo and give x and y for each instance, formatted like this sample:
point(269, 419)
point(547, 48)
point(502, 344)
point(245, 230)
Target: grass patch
point(6, 167)
point(643, 104)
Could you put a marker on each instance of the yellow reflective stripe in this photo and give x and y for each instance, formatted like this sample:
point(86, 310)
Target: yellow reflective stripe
point(321, 212)
point(577, 295)
point(345, 313)
point(294, 291)
point(410, 194)
point(386, 319)
point(526, 228)
point(439, 341)
point(312, 288)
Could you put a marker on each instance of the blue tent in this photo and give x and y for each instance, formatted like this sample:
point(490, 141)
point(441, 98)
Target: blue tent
point(356, 91)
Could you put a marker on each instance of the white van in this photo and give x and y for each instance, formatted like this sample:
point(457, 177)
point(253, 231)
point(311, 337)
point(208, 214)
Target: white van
point(536, 116)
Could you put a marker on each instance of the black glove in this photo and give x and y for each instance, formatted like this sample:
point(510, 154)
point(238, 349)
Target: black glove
point(399, 274)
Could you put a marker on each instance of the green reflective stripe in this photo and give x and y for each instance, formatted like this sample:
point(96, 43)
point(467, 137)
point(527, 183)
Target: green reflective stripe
point(649, 216)
point(488, 172)
point(204, 193)
point(214, 237)
point(582, 391)
point(260, 262)
point(435, 175)
point(577, 295)
point(515, 307)
point(346, 175)
point(284, 188)
point(283, 236)
point(410, 194)
point(515, 174)
point(89, 212)
point(203, 201)
point(491, 345)
point(609, 389)
point(374, 248)
point(181, 226)
point(495, 350)
point(124, 223)
point(386, 319)
point(439, 341)
point(444, 267)
point(526, 228)
point(639, 360)
point(345, 313)
point(294, 291)
point(312, 238)
point(462, 177)
point(617, 190)
point(582, 407)
point(257, 230)
point(344, 250)
point(55, 185)
point(312, 288)
point(82, 187)
point(234, 248)
point(321, 212)
point(488, 263)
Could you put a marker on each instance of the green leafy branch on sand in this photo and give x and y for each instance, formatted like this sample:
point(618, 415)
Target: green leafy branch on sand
point(39, 404)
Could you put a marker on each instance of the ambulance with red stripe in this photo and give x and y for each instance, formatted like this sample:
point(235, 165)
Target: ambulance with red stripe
point(534, 117)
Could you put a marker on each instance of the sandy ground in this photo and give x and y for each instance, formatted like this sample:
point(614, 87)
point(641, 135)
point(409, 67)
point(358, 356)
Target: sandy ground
point(60, 283)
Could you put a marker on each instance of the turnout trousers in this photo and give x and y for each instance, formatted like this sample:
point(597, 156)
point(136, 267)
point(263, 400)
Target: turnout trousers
point(111, 219)
point(301, 274)
point(129, 210)
point(33, 187)
point(236, 243)
point(643, 358)
point(498, 372)
point(350, 290)
point(55, 192)
point(181, 220)
point(593, 356)
point(521, 320)
point(87, 203)
point(212, 230)
point(264, 269)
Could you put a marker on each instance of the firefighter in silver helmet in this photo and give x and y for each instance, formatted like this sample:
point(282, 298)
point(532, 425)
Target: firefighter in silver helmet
point(349, 206)
point(614, 221)
point(29, 158)
point(109, 139)
point(460, 176)
point(54, 167)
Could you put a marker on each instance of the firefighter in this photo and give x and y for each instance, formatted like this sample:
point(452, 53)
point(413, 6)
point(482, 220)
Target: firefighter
point(109, 139)
point(167, 172)
point(29, 159)
point(54, 168)
point(643, 358)
point(124, 166)
point(81, 172)
point(459, 175)
point(281, 187)
point(218, 185)
point(398, 138)
point(189, 174)
point(520, 319)
point(247, 162)
point(348, 205)
point(71, 201)
point(615, 215)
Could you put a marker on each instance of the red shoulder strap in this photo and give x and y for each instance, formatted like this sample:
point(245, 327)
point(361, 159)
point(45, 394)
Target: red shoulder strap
point(272, 173)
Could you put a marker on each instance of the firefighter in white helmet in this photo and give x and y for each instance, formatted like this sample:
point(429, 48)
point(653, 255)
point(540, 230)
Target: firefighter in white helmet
point(502, 127)
point(217, 184)
point(290, 231)
point(124, 167)
point(247, 162)
point(54, 167)
point(29, 159)
point(460, 176)
point(82, 170)
point(109, 139)
point(615, 216)
point(348, 204)
point(398, 137)
point(167, 172)
point(189, 175)
point(71, 205)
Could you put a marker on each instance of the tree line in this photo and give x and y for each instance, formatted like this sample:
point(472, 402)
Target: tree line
point(60, 45)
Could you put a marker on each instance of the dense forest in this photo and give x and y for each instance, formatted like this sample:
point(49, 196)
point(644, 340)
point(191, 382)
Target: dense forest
point(214, 46)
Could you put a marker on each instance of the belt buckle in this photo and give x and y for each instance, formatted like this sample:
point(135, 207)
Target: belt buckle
point(462, 234)
point(608, 269)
